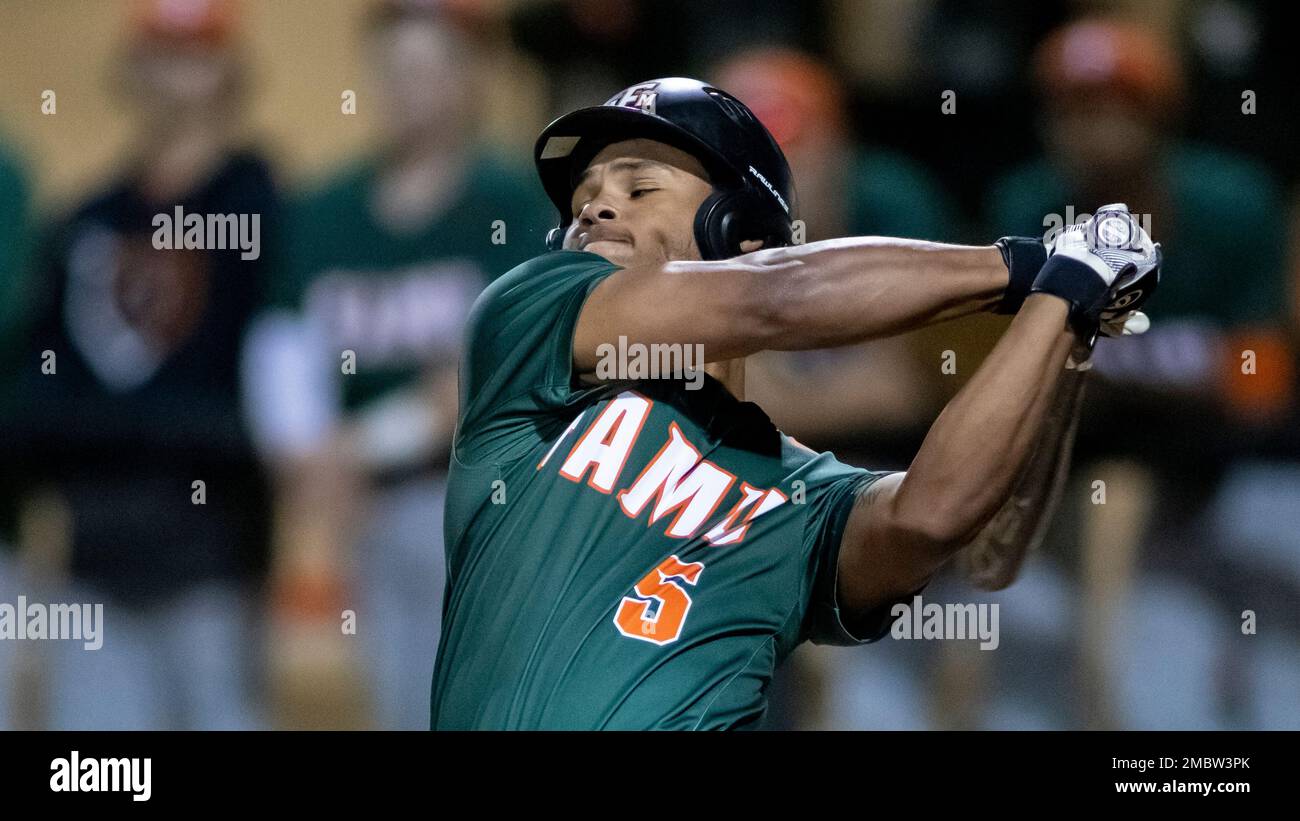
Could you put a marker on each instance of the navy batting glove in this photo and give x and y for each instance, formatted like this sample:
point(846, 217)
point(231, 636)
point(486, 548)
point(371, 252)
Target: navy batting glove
point(1077, 273)
point(1024, 257)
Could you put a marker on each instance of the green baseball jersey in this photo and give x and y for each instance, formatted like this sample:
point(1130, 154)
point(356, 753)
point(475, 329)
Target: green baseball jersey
point(635, 554)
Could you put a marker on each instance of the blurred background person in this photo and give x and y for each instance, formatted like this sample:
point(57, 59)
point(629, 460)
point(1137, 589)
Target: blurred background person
point(15, 251)
point(355, 361)
point(872, 397)
point(1112, 92)
point(1173, 415)
point(144, 401)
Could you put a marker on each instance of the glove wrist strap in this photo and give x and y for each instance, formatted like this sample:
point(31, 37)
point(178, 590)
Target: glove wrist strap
point(1078, 284)
point(1024, 257)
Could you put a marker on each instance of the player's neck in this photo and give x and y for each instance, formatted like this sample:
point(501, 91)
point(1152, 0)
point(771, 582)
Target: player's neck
point(731, 373)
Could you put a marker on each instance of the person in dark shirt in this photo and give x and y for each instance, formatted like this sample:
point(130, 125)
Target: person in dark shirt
point(143, 295)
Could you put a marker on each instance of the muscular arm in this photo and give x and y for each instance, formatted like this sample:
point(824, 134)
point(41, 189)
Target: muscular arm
point(907, 525)
point(993, 559)
point(818, 295)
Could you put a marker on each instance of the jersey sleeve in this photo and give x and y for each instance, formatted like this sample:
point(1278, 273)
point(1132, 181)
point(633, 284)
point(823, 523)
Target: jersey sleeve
point(517, 366)
point(824, 621)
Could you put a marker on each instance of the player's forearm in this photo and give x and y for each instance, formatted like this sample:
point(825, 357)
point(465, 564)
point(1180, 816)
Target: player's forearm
point(819, 295)
point(993, 559)
point(978, 447)
point(841, 291)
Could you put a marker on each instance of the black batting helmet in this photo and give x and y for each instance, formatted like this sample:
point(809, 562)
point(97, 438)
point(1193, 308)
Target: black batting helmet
point(753, 195)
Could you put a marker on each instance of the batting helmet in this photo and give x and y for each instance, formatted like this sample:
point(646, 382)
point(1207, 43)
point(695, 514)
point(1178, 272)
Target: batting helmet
point(753, 195)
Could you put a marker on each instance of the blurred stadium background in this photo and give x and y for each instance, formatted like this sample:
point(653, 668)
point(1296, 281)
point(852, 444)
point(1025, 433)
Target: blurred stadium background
point(381, 140)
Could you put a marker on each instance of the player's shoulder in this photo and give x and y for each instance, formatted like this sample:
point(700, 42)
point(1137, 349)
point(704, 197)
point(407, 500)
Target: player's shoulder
point(817, 469)
point(545, 272)
point(530, 300)
point(556, 264)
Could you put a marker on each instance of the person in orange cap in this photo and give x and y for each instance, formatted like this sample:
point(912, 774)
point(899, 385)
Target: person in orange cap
point(843, 186)
point(844, 189)
point(1111, 95)
point(182, 66)
point(1177, 405)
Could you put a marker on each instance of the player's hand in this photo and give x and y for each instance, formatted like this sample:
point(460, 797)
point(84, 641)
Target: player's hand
point(1120, 254)
point(1121, 316)
point(1117, 237)
point(1130, 323)
point(1075, 272)
point(1024, 258)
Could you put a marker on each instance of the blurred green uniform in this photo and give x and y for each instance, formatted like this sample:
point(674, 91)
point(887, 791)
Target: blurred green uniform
point(1224, 240)
point(399, 300)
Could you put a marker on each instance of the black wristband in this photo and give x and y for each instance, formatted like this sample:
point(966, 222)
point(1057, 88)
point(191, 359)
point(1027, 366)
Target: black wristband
point(1024, 256)
point(1078, 284)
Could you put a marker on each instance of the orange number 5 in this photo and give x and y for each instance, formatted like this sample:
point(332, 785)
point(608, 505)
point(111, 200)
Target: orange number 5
point(663, 626)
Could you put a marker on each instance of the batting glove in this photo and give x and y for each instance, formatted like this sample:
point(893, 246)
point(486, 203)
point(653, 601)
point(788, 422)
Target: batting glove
point(1024, 258)
point(1105, 269)
point(1121, 316)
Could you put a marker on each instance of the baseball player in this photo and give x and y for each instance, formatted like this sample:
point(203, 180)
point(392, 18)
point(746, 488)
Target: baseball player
point(627, 552)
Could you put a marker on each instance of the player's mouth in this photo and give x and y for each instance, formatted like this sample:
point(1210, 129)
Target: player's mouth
point(595, 235)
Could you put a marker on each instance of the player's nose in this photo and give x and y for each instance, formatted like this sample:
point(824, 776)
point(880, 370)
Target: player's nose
point(597, 211)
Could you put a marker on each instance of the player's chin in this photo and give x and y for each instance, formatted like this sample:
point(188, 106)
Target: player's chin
point(618, 251)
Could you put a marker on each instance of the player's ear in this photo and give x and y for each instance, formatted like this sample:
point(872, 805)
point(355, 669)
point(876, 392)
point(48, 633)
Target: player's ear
point(748, 246)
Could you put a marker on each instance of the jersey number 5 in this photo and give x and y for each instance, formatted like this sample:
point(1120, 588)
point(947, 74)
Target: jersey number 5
point(633, 618)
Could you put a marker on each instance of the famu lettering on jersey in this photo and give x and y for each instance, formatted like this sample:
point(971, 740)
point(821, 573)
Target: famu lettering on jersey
point(645, 564)
point(677, 480)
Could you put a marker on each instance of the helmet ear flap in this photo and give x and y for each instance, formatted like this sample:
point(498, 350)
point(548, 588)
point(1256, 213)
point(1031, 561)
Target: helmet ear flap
point(721, 225)
point(713, 225)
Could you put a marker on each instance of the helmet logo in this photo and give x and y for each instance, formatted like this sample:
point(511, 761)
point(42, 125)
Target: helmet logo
point(639, 96)
point(780, 199)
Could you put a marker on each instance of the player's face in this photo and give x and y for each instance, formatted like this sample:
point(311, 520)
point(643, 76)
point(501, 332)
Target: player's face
point(636, 204)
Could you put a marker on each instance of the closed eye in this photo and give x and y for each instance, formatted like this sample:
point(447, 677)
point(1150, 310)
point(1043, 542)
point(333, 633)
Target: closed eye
point(637, 193)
